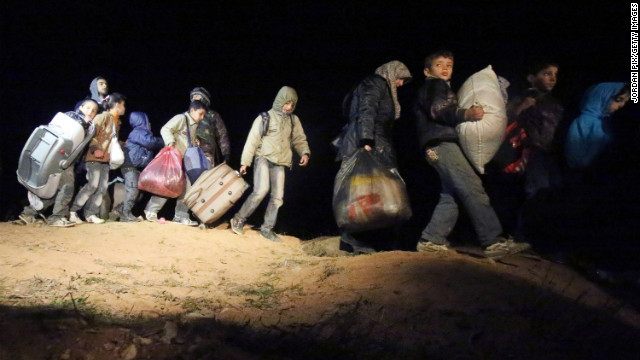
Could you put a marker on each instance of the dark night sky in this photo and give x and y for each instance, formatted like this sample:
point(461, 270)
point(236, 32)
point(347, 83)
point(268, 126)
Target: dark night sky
point(154, 54)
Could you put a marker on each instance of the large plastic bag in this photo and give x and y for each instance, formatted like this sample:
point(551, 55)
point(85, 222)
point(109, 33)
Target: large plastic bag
point(164, 176)
point(368, 195)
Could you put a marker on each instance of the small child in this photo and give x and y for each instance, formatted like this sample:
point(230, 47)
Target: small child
point(138, 151)
point(538, 114)
point(84, 115)
point(89, 197)
point(589, 134)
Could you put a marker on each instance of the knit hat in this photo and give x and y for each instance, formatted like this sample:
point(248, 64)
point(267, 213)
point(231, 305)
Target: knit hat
point(206, 98)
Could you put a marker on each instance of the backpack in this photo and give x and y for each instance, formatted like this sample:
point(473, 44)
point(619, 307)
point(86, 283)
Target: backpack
point(264, 125)
point(349, 127)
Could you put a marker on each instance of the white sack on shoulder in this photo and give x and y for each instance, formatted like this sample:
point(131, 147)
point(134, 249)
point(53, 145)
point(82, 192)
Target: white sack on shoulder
point(480, 140)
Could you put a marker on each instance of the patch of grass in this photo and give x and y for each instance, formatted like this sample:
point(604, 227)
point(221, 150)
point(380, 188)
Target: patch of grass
point(295, 289)
point(42, 284)
point(118, 265)
point(196, 304)
point(266, 296)
point(98, 280)
point(329, 270)
point(288, 263)
point(165, 270)
point(67, 302)
point(171, 282)
point(166, 296)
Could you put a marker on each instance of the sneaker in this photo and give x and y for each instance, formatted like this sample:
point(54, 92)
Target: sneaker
point(187, 222)
point(428, 246)
point(355, 249)
point(237, 226)
point(270, 235)
point(505, 247)
point(94, 219)
point(115, 215)
point(151, 216)
point(74, 218)
point(129, 218)
point(27, 219)
point(62, 222)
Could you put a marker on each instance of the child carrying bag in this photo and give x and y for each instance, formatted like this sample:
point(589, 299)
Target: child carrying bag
point(164, 176)
point(195, 162)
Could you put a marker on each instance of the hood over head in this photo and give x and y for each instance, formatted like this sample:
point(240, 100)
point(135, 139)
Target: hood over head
point(138, 119)
point(285, 95)
point(93, 88)
point(392, 71)
point(596, 99)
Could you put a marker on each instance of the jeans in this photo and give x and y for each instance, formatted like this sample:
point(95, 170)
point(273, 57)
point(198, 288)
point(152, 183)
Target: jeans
point(266, 175)
point(459, 181)
point(131, 176)
point(62, 199)
point(90, 196)
point(181, 211)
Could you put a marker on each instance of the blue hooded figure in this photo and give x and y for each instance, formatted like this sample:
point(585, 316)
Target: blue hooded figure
point(138, 153)
point(590, 133)
point(141, 144)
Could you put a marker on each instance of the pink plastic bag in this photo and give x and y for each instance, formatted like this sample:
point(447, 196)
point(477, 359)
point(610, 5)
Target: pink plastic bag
point(164, 176)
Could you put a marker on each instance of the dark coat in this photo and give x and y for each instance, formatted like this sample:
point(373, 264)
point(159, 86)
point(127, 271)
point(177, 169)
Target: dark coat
point(540, 120)
point(213, 135)
point(141, 144)
point(437, 113)
point(371, 118)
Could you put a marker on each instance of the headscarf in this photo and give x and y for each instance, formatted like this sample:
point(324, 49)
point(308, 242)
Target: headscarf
point(392, 71)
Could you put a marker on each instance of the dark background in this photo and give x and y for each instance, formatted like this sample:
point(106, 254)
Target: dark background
point(154, 53)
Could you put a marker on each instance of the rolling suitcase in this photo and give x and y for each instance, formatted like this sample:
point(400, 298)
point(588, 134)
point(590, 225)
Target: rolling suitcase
point(215, 191)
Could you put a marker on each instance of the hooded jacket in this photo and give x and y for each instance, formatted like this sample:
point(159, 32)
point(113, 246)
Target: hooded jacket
point(373, 109)
point(141, 144)
point(93, 88)
point(590, 133)
point(285, 131)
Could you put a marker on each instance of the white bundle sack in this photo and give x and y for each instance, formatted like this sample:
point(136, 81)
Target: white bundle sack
point(480, 140)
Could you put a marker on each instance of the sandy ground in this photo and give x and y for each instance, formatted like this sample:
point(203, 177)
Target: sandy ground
point(148, 290)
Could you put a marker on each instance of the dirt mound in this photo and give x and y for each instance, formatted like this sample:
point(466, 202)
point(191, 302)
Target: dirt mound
point(147, 290)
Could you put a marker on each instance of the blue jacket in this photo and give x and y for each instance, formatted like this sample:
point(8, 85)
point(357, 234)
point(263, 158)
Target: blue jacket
point(141, 144)
point(589, 133)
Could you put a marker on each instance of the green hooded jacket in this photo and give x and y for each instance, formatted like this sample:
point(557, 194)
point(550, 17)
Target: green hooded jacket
point(276, 145)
